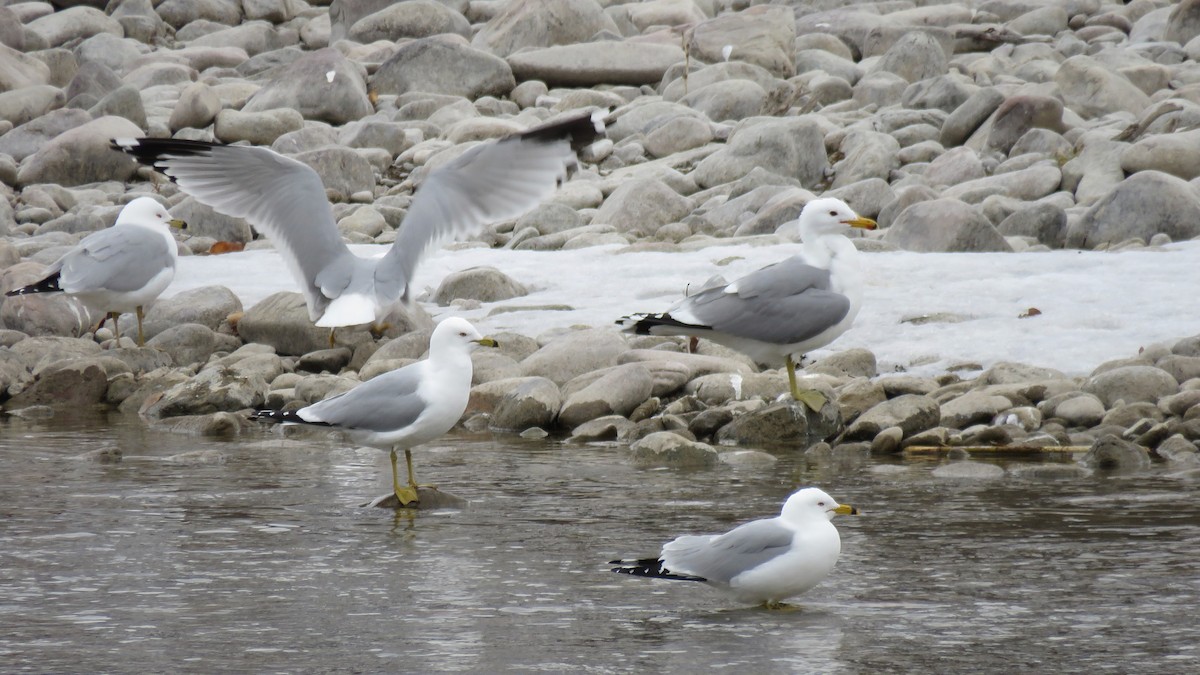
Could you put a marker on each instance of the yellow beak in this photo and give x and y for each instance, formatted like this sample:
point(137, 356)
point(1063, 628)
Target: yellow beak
point(487, 342)
point(177, 223)
point(860, 221)
point(846, 510)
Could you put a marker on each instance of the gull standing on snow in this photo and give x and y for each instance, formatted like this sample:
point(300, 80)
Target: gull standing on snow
point(791, 307)
point(285, 199)
point(763, 561)
point(404, 407)
point(119, 269)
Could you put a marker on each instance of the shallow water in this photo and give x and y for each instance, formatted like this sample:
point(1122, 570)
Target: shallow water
point(253, 555)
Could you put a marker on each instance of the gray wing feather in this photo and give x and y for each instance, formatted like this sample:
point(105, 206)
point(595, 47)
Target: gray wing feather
point(281, 197)
point(723, 557)
point(787, 302)
point(118, 259)
point(384, 403)
point(488, 183)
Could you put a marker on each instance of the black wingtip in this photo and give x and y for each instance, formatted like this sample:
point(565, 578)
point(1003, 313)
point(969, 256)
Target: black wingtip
point(651, 568)
point(279, 416)
point(47, 285)
point(581, 130)
point(152, 151)
point(641, 324)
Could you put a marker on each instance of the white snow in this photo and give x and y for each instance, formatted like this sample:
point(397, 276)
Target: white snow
point(1095, 306)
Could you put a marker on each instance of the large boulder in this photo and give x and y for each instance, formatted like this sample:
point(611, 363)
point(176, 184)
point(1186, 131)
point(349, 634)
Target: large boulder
point(443, 66)
point(790, 147)
point(1145, 204)
point(1092, 90)
point(409, 19)
point(526, 24)
point(763, 35)
point(944, 225)
point(593, 63)
point(574, 354)
point(82, 155)
point(617, 391)
point(323, 85)
point(642, 206)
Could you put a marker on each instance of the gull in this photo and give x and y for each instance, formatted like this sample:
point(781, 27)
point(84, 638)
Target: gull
point(404, 407)
point(119, 269)
point(790, 307)
point(763, 561)
point(285, 199)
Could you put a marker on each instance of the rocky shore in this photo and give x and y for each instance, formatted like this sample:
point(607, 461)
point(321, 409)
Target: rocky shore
point(1010, 125)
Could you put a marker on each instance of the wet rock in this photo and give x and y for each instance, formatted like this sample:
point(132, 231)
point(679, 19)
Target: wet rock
point(670, 450)
point(968, 470)
point(607, 428)
point(748, 459)
point(786, 422)
point(527, 402)
point(973, 407)
point(1046, 471)
point(485, 284)
point(192, 343)
point(211, 390)
point(1177, 450)
point(912, 413)
point(525, 24)
point(443, 67)
point(944, 225)
point(325, 360)
point(219, 425)
point(65, 384)
point(574, 354)
point(1131, 384)
point(618, 390)
point(209, 306)
point(1111, 453)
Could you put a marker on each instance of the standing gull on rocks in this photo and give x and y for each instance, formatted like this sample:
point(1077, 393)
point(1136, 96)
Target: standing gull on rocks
point(404, 407)
point(764, 561)
point(285, 199)
point(791, 307)
point(119, 269)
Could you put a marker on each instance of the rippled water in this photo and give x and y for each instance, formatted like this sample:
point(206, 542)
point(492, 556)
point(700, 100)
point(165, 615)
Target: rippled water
point(253, 554)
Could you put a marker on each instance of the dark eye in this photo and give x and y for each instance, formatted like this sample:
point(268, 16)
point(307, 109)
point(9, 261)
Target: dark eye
point(462, 335)
point(833, 213)
point(820, 503)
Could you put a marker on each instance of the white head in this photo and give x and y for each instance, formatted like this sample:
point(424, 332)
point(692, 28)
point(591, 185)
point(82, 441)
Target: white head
point(829, 216)
point(812, 503)
point(147, 211)
point(457, 334)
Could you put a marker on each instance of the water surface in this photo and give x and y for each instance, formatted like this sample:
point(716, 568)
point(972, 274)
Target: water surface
point(253, 554)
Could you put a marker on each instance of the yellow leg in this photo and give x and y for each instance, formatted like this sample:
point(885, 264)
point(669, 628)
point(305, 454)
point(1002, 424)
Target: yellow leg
point(406, 495)
point(141, 335)
point(378, 329)
point(116, 318)
point(332, 341)
point(812, 398)
point(412, 477)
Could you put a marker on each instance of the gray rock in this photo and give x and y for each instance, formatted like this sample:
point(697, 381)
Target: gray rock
point(973, 407)
point(1182, 368)
point(255, 37)
point(879, 89)
point(211, 390)
point(23, 105)
point(529, 402)
point(343, 171)
point(191, 343)
point(574, 354)
point(550, 218)
point(139, 21)
point(1183, 23)
point(792, 147)
point(73, 23)
point(18, 71)
point(618, 390)
point(1092, 90)
point(955, 166)
point(208, 306)
point(1043, 221)
point(1111, 453)
point(67, 384)
point(1083, 410)
point(409, 19)
point(41, 314)
point(670, 450)
point(641, 207)
point(485, 284)
point(609, 428)
point(719, 388)
point(942, 92)
point(259, 128)
point(28, 138)
point(1131, 384)
point(728, 100)
point(203, 221)
point(1145, 204)
point(1021, 113)
point(321, 85)
point(856, 362)
point(525, 24)
point(1169, 153)
point(763, 35)
point(593, 63)
point(944, 225)
point(281, 321)
point(917, 55)
point(125, 101)
point(179, 13)
point(782, 423)
point(866, 155)
point(1028, 184)
point(968, 117)
point(682, 133)
point(443, 67)
point(911, 412)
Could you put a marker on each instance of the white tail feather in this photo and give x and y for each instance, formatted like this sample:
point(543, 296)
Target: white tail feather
point(351, 309)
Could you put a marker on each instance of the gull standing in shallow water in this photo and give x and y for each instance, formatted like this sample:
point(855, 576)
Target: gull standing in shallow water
point(285, 199)
point(404, 407)
point(119, 269)
point(791, 307)
point(763, 561)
